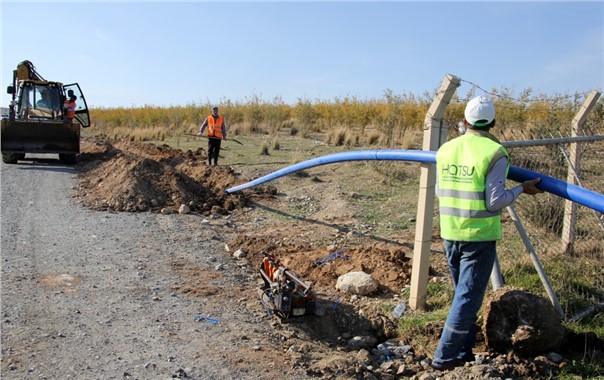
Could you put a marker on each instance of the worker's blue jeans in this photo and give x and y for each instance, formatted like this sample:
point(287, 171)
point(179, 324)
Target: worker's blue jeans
point(470, 264)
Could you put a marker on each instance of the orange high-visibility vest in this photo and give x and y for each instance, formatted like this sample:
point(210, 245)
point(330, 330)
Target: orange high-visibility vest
point(215, 126)
point(70, 111)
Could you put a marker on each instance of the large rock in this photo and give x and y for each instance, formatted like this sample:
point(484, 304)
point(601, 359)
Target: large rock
point(357, 283)
point(517, 320)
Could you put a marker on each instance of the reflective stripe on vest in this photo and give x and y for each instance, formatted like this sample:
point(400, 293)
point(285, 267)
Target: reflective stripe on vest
point(215, 126)
point(462, 165)
point(451, 211)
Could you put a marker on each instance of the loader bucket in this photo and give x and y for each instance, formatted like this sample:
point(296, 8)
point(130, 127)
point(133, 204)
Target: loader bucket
point(31, 136)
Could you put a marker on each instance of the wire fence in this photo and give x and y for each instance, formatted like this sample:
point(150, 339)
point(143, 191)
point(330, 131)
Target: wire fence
point(575, 268)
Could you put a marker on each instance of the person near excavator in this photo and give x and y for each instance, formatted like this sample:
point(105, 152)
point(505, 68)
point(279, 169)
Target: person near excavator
point(69, 108)
point(216, 133)
point(471, 173)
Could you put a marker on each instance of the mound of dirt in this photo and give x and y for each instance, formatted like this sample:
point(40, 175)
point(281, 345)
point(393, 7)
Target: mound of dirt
point(127, 176)
point(389, 265)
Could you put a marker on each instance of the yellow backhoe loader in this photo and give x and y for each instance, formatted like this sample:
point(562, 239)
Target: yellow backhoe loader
point(39, 120)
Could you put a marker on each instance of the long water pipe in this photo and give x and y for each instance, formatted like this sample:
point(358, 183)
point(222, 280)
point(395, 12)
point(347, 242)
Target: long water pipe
point(549, 184)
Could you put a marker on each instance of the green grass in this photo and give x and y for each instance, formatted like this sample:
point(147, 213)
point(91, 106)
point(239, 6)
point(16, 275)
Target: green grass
point(593, 324)
point(385, 195)
point(439, 295)
point(523, 275)
point(421, 327)
point(415, 324)
point(585, 368)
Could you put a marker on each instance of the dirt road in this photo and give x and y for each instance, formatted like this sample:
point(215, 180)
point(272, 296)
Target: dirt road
point(102, 295)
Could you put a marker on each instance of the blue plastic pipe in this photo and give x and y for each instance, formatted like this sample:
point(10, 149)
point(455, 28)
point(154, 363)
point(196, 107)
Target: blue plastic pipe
point(549, 184)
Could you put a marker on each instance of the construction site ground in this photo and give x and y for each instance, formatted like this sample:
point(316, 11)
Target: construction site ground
point(180, 290)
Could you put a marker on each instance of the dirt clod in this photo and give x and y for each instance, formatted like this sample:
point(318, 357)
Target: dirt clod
point(521, 321)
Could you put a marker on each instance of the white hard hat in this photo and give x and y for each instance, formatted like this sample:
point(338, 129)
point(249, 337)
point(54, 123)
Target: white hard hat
point(480, 112)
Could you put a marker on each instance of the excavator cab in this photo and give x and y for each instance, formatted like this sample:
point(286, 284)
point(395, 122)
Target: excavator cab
point(38, 121)
point(41, 101)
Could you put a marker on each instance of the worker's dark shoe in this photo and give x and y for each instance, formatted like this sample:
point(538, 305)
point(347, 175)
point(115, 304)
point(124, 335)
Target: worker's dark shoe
point(447, 366)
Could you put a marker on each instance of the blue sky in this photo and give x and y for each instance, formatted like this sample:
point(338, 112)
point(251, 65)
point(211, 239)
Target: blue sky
point(178, 53)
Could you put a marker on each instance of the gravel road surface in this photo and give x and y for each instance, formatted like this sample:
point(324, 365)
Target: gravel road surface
point(100, 295)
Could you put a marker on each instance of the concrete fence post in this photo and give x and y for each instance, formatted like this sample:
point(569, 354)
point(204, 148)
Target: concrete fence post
point(574, 172)
point(435, 134)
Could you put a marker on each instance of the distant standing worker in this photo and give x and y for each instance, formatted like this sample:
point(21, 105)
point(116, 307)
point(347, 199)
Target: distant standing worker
point(69, 108)
point(471, 170)
point(216, 133)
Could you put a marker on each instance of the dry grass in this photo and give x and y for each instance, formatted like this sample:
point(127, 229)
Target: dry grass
point(409, 140)
point(391, 118)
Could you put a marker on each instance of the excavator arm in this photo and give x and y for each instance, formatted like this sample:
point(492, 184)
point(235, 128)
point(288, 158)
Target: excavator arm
point(26, 70)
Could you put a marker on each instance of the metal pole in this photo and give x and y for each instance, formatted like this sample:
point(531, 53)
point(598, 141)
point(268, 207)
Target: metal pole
point(527, 243)
point(560, 140)
point(496, 277)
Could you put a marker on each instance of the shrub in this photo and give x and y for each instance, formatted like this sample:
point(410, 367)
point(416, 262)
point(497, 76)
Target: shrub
point(373, 138)
point(340, 136)
point(264, 149)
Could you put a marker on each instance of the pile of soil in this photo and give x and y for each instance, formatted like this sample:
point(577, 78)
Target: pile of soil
point(127, 176)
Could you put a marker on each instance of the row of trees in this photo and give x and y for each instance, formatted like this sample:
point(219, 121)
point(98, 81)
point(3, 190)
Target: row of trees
point(392, 117)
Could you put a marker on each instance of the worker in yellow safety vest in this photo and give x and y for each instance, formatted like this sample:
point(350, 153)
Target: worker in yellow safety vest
point(216, 133)
point(471, 173)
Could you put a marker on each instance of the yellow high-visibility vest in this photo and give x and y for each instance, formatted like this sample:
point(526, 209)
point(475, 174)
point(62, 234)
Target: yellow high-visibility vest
point(462, 165)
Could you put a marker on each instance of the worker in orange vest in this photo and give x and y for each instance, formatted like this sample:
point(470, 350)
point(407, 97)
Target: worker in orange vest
point(216, 133)
point(69, 108)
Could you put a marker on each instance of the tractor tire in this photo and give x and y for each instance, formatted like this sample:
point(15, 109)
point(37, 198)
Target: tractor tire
point(12, 158)
point(69, 159)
